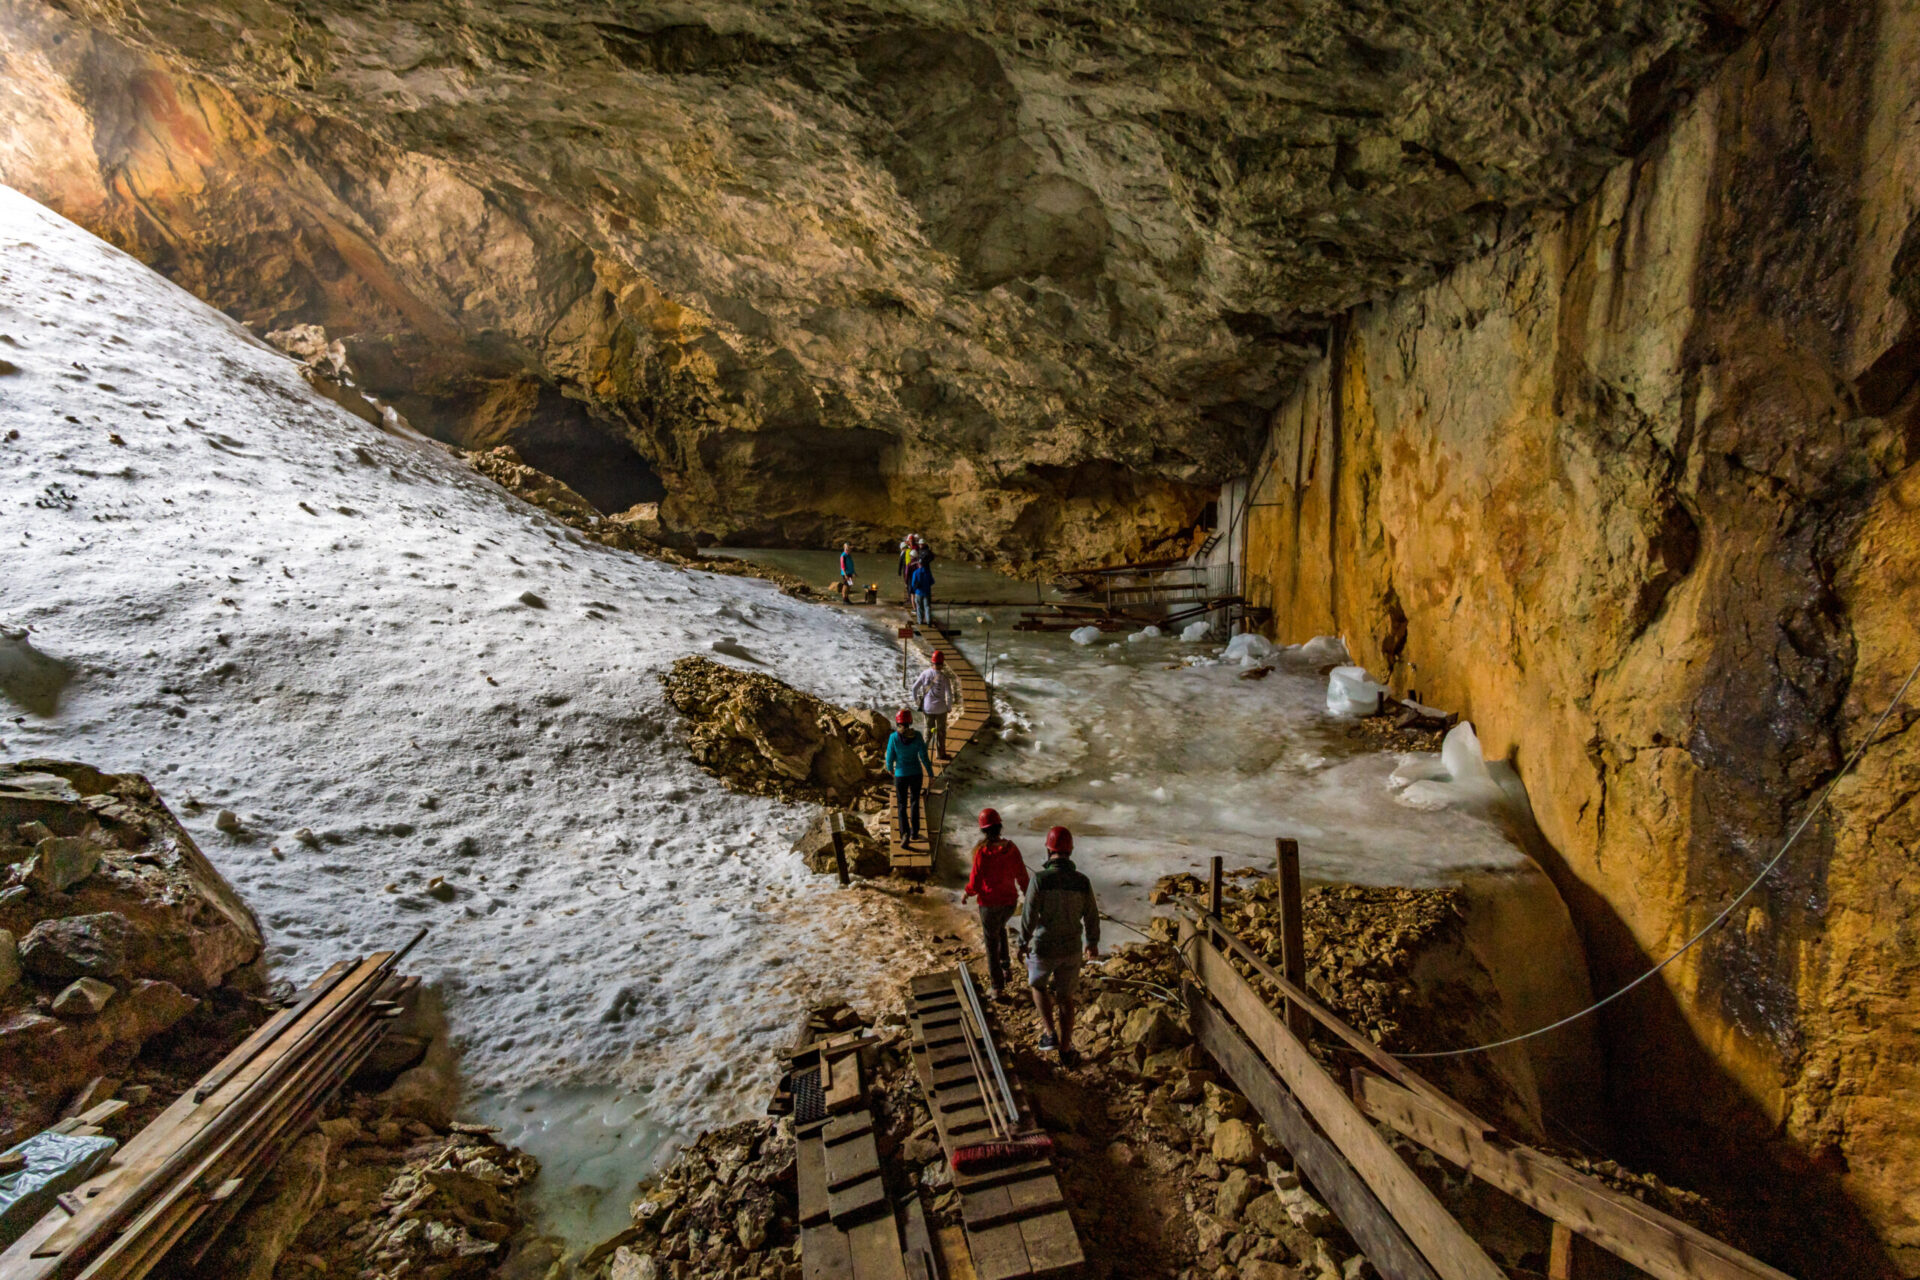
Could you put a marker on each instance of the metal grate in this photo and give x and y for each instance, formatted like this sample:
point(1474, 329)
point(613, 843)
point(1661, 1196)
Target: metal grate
point(809, 1100)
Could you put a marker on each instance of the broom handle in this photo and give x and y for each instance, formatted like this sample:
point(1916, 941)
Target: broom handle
point(1012, 1104)
point(988, 1102)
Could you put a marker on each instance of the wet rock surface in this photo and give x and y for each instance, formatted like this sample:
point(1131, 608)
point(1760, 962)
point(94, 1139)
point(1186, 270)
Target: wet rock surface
point(116, 929)
point(1027, 278)
point(764, 737)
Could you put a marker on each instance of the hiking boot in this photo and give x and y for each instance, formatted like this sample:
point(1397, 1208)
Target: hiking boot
point(1069, 1057)
point(1047, 1043)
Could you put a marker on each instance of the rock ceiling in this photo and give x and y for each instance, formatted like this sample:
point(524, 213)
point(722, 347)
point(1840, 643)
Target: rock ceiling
point(1028, 276)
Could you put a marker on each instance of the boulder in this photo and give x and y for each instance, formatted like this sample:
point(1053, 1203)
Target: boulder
point(60, 862)
point(1231, 1200)
point(1225, 1103)
point(628, 1265)
point(83, 998)
point(9, 962)
point(1150, 1029)
point(1236, 1142)
point(767, 738)
point(89, 946)
point(866, 857)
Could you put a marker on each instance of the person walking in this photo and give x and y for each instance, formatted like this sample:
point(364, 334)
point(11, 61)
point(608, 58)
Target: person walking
point(1059, 915)
point(920, 587)
point(907, 761)
point(846, 573)
point(998, 878)
point(933, 690)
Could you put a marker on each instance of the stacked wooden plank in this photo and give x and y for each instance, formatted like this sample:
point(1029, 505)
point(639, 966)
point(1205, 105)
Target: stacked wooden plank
point(1015, 1218)
point(969, 718)
point(847, 1227)
point(180, 1180)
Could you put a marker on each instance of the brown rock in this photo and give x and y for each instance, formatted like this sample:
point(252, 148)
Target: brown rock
point(83, 998)
point(92, 946)
point(1235, 1142)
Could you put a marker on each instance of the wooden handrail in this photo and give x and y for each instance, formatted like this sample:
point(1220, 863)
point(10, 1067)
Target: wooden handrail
point(1301, 998)
point(1661, 1246)
point(1453, 1254)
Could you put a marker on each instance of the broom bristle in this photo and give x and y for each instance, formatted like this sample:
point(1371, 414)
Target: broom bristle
point(995, 1155)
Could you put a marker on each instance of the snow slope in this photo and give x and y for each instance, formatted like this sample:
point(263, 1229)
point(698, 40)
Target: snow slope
point(271, 607)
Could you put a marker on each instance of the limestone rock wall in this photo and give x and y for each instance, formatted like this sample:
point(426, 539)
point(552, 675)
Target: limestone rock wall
point(1028, 278)
point(1636, 491)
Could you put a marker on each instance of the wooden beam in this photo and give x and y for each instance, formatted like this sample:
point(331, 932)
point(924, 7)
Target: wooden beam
point(1560, 1253)
point(1293, 942)
point(1359, 1210)
point(1383, 1062)
point(1661, 1246)
point(1213, 888)
point(1445, 1243)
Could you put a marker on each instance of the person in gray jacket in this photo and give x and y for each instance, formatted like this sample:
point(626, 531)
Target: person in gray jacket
point(1059, 914)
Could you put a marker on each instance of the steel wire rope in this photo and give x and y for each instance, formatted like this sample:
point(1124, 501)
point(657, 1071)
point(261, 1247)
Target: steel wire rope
point(1725, 911)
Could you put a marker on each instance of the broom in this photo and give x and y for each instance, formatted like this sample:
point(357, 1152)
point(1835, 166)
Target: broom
point(996, 1098)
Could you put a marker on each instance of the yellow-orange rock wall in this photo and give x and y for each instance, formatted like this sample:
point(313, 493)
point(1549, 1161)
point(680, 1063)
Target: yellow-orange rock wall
point(1636, 492)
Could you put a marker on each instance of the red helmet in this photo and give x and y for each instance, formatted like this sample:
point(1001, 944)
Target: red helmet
point(903, 717)
point(989, 818)
point(1059, 840)
point(937, 658)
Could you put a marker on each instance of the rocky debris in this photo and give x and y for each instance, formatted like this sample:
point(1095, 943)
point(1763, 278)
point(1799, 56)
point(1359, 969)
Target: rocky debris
point(767, 738)
point(368, 1196)
point(865, 856)
point(84, 998)
point(123, 929)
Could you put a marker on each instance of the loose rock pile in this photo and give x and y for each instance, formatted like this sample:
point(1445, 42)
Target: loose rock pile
point(375, 1197)
point(767, 738)
point(114, 927)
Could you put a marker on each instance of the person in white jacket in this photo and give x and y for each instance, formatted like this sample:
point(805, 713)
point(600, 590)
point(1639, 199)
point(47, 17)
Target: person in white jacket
point(934, 693)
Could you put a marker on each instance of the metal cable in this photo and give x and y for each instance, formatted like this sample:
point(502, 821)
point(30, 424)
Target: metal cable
point(1725, 911)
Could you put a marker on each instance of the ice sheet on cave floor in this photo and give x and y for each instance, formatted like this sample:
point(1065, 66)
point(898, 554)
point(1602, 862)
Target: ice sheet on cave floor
point(273, 608)
point(1158, 755)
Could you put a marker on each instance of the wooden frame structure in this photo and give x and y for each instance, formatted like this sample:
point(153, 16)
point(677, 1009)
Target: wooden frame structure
point(1330, 1131)
point(964, 724)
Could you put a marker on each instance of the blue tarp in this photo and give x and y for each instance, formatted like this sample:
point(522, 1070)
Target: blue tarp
point(56, 1163)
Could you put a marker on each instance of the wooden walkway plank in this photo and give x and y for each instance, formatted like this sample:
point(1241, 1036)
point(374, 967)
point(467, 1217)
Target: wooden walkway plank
point(964, 724)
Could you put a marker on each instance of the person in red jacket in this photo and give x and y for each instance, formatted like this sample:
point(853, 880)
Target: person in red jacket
point(998, 879)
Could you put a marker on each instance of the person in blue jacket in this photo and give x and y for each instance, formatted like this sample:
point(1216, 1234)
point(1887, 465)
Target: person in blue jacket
point(846, 572)
point(920, 586)
point(907, 761)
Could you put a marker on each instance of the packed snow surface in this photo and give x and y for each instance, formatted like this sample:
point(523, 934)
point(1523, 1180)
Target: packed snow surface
point(268, 606)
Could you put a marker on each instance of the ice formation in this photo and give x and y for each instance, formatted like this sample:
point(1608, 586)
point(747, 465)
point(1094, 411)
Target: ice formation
point(1085, 635)
point(1352, 692)
point(1249, 648)
point(1324, 649)
point(1459, 776)
point(1196, 631)
point(271, 607)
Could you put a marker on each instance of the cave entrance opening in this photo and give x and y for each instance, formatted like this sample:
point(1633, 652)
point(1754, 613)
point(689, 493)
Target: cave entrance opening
point(607, 472)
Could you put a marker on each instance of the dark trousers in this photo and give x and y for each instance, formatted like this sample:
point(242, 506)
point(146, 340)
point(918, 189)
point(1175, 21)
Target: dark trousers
point(993, 931)
point(906, 803)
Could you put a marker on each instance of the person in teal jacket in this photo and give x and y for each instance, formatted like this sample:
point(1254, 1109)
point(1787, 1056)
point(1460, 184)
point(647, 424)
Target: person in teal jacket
point(909, 764)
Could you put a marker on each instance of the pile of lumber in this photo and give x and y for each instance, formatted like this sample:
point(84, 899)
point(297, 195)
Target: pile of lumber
point(177, 1183)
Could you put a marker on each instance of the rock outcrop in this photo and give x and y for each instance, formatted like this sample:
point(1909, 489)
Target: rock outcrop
point(1636, 493)
point(115, 927)
point(764, 737)
point(1027, 278)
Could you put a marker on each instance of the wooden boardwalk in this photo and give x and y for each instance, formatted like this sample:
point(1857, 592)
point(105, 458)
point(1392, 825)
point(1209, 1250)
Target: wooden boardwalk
point(964, 724)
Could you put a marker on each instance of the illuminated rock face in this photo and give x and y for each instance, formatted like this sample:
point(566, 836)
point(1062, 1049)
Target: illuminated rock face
point(1637, 493)
point(1027, 278)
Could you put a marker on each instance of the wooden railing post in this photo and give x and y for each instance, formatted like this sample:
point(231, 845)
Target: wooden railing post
point(1293, 942)
point(1213, 889)
point(837, 828)
point(1560, 1255)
